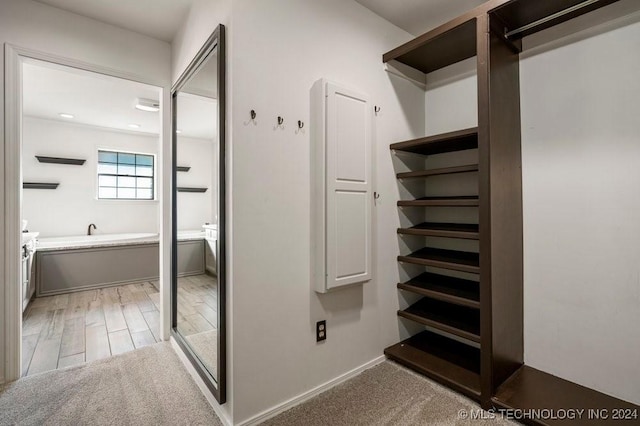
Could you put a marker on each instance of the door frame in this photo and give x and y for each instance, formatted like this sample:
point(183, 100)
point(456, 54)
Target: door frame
point(10, 308)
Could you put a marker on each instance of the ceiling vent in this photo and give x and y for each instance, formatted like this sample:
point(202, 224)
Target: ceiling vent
point(148, 105)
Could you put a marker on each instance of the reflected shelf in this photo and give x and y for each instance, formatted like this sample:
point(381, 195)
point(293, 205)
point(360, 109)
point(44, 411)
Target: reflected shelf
point(187, 189)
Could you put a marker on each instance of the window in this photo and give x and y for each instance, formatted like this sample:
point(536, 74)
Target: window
point(125, 176)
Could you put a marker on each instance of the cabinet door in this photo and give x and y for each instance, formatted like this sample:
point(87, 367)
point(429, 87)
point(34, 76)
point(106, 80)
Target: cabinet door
point(348, 187)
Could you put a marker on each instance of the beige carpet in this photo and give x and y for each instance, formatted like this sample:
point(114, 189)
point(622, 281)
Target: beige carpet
point(205, 344)
point(148, 386)
point(386, 394)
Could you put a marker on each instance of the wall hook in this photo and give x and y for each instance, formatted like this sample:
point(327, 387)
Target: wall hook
point(253, 114)
point(280, 121)
point(376, 109)
point(300, 124)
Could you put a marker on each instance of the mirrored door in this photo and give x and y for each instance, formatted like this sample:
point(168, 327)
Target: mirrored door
point(198, 246)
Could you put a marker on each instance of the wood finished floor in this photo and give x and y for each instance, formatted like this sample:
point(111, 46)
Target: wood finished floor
point(69, 329)
point(197, 304)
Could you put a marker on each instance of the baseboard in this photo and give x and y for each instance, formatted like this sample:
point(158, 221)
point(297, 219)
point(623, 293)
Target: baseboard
point(277, 409)
point(203, 387)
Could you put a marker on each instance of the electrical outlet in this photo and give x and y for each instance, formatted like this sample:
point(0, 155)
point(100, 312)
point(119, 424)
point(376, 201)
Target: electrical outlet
point(321, 331)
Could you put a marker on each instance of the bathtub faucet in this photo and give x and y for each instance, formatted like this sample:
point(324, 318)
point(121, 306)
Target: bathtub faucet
point(89, 228)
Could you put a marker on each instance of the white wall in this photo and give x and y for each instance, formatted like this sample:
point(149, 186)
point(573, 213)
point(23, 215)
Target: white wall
point(74, 205)
point(451, 98)
point(280, 48)
point(581, 207)
point(196, 209)
point(36, 26)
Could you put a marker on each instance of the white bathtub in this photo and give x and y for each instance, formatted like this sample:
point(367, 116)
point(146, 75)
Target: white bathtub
point(82, 262)
point(105, 240)
point(94, 240)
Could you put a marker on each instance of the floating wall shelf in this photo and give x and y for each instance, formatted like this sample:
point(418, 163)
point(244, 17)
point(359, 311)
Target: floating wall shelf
point(183, 168)
point(191, 189)
point(60, 160)
point(39, 185)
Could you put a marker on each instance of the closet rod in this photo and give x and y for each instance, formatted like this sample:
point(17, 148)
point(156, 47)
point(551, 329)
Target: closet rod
point(550, 17)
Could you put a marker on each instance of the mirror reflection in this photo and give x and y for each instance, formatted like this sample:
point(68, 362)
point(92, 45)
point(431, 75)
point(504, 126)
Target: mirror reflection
point(197, 212)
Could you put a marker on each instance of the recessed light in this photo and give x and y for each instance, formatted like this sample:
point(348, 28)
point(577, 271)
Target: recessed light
point(134, 126)
point(148, 105)
point(65, 115)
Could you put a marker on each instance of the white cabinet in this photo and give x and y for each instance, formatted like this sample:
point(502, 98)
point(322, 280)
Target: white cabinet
point(342, 196)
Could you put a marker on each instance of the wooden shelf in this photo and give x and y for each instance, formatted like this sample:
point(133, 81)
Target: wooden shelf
point(457, 201)
point(39, 185)
point(447, 230)
point(447, 289)
point(185, 189)
point(454, 319)
point(443, 46)
point(437, 172)
point(447, 142)
point(60, 160)
point(447, 259)
point(529, 388)
point(451, 363)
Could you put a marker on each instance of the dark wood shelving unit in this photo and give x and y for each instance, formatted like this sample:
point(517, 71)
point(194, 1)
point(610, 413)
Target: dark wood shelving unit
point(454, 319)
point(447, 142)
point(447, 361)
point(449, 304)
point(446, 259)
point(39, 185)
point(460, 201)
point(437, 172)
point(490, 311)
point(60, 160)
point(447, 289)
point(467, 231)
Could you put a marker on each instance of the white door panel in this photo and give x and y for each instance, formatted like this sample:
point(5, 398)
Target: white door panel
point(344, 166)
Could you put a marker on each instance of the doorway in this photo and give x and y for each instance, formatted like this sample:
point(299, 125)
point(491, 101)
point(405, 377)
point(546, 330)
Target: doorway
point(87, 190)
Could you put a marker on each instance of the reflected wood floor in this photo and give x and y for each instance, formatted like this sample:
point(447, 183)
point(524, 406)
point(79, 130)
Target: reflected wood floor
point(69, 329)
point(197, 304)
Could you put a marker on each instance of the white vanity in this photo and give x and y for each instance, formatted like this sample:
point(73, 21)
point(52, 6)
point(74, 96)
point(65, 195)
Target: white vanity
point(211, 236)
point(27, 281)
